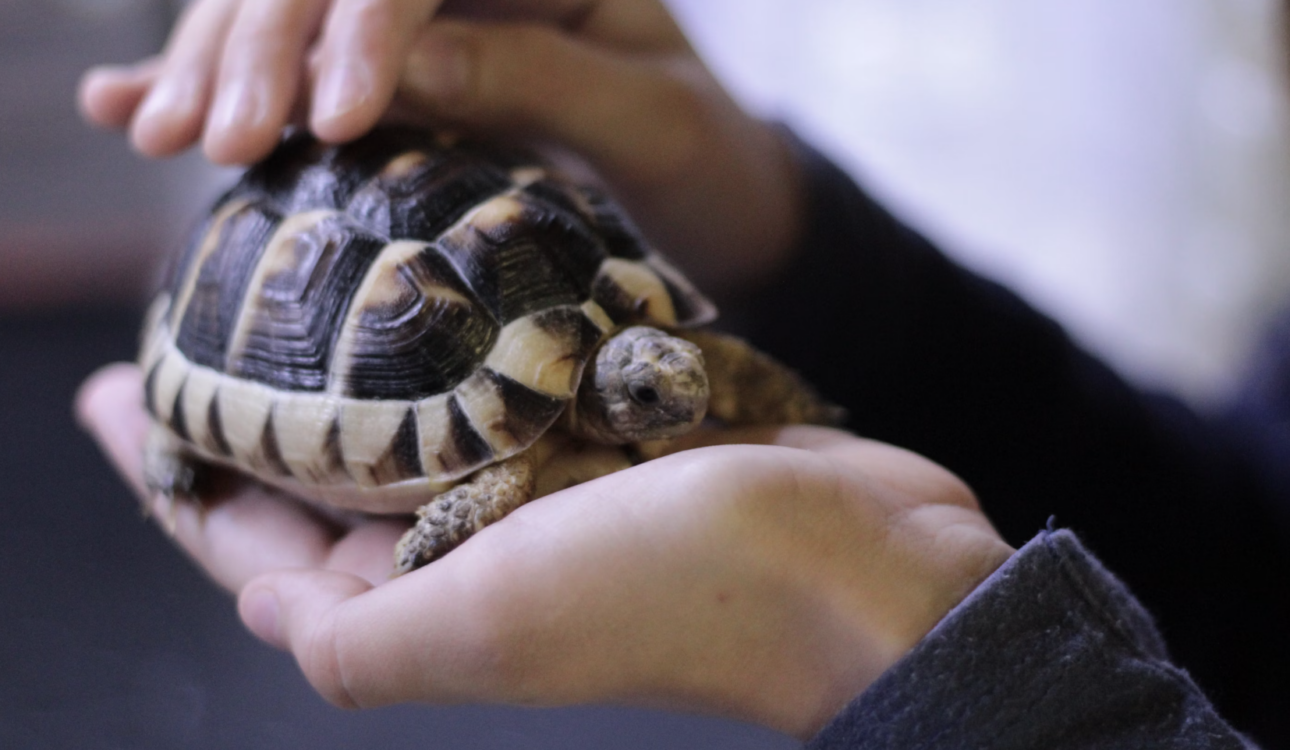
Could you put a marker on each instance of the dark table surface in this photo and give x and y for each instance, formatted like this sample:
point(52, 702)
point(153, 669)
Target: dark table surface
point(110, 638)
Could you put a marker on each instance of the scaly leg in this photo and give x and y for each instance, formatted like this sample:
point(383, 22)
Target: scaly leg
point(453, 516)
point(170, 471)
point(750, 388)
point(166, 467)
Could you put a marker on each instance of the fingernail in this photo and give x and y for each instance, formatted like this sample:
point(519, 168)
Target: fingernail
point(342, 91)
point(260, 613)
point(438, 69)
point(168, 98)
point(239, 106)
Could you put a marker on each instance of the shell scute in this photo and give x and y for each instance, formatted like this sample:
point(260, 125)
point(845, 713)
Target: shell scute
point(373, 437)
point(525, 413)
point(546, 351)
point(309, 438)
point(420, 194)
point(211, 300)
point(465, 449)
point(519, 257)
point(215, 424)
point(271, 450)
point(303, 174)
point(291, 311)
point(413, 330)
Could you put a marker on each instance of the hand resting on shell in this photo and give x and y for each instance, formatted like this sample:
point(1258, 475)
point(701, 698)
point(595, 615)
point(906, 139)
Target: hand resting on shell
point(613, 81)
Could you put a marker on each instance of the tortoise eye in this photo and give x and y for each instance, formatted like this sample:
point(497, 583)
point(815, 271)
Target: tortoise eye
point(643, 394)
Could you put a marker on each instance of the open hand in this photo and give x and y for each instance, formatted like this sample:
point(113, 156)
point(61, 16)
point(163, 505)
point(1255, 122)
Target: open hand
point(770, 580)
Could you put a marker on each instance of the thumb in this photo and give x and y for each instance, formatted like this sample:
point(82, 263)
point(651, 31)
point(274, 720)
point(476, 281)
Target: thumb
point(430, 636)
point(302, 611)
point(108, 95)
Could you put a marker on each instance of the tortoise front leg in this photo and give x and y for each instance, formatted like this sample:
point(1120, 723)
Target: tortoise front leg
point(748, 387)
point(453, 516)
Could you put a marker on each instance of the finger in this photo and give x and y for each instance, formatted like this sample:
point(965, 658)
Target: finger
point(109, 405)
point(362, 50)
point(367, 550)
point(171, 115)
point(298, 611)
point(108, 95)
point(361, 646)
point(534, 80)
point(241, 532)
point(636, 25)
point(260, 72)
point(435, 635)
point(252, 533)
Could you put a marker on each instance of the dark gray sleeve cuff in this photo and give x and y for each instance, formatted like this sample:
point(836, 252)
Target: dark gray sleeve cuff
point(1053, 652)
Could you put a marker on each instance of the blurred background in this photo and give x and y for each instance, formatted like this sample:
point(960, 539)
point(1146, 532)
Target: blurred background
point(1121, 163)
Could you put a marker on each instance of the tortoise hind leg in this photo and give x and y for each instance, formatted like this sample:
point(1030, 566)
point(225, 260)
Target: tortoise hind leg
point(169, 471)
point(167, 468)
point(453, 516)
point(749, 387)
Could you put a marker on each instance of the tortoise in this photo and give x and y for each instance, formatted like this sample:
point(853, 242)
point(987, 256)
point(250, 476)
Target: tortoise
point(415, 322)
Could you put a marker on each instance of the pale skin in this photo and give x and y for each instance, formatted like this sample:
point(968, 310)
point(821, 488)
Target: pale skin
point(768, 575)
point(770, 579)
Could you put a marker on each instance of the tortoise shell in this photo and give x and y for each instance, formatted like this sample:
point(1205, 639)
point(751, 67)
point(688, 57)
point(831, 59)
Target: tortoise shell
point(390, 315)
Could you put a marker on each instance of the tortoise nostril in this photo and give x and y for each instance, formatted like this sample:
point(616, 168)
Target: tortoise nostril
point(643, 394)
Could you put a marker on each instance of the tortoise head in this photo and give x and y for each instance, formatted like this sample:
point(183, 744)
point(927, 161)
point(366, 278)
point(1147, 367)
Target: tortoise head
point(642, 385)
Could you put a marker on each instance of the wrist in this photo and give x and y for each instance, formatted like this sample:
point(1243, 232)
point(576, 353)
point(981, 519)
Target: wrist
point(937, 556)
point(866, 590)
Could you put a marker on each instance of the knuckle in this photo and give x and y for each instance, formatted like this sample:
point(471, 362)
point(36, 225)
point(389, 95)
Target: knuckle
point(369, 24)
point(265, 32)
point(320, 660)
point(921, 478)
point(253, 45)
point(373, 11)
point(940, 486)
point(954, 491)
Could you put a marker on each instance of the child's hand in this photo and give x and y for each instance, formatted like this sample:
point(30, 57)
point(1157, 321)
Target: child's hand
point(233, 71)
point(771, 580)
point(614, 81)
